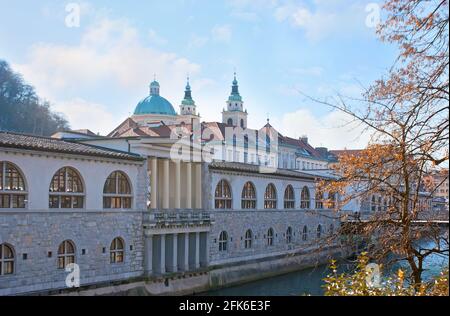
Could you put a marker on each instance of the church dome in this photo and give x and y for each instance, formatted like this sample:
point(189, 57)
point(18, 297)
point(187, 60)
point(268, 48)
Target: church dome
point(154, 103)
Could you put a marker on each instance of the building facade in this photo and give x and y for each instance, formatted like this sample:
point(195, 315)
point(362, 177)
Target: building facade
point(134, 204)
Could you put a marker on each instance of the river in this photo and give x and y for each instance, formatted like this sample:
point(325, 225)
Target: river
point(310, 281)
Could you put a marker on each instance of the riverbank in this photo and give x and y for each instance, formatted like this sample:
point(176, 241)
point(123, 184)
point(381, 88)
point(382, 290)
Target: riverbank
point(217, 277)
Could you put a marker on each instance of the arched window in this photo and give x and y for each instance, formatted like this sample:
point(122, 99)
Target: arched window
point(248, 196)
point(223, 197)
point(66, 254)
point(331, 230)
point(319, 199)
point(248, 239)
point(6, 259)
point(117, 191)
point(116, 250)
point(319, 231)
point(374, 203)
point(12, 186)
point(305, 233)
point(289, 199)
point(223, 241)
point(289, 235)
point(270, 197)
point(270, 237)
point(230, 121)
point(331, 200)
point(242, 123)
point(66, 189)
point(305, 201)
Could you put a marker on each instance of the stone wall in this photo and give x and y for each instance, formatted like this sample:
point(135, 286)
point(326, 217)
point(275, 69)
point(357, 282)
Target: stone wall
point(236, 223)
point(36, 232)
point(34, 235)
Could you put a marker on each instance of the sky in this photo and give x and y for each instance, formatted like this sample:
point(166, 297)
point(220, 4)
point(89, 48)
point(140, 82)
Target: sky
point(96, 69)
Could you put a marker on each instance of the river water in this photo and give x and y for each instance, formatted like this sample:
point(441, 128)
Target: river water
point(310, 281)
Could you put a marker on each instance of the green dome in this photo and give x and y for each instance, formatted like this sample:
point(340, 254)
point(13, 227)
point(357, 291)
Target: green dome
point(154, 103)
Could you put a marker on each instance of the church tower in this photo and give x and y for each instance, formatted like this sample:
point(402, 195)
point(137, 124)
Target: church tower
point(187, 106)
point(188, 109)
point(235, 114)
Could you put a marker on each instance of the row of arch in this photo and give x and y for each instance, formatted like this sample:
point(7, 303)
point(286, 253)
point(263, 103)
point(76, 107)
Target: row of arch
point(66, 255)
point(223, 198)
point(66, 189)
point(270, 235)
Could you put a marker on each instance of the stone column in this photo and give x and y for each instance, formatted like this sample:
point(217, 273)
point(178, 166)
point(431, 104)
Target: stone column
point(177, 184)
point(197, 250)
point(166, 187)
point(163, 254)
point(154, 183)
point(198, 186)
point(188, 185)
point(148, 244)
point(186, 252)
point(174, 267)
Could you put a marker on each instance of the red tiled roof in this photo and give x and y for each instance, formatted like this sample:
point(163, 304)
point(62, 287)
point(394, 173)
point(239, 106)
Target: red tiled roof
point(47, 144)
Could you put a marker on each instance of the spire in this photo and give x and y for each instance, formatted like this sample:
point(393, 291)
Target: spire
point(235, 96)
point(188, 95)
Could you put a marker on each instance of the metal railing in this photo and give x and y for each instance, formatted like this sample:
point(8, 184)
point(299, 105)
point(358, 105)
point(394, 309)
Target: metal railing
point(178, 217)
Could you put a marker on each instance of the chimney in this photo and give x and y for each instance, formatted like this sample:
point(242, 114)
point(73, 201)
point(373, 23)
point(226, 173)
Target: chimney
point(304, 139)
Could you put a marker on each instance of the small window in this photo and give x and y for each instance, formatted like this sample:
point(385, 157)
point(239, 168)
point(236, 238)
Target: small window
point(331, 230)
point(66, 254)
point(289, 235)
point(270, 237)
point(230, 122)
point(248, 239)
point(117, 250)
point(223, 241)
point(223, 199)
point(305, 233)
point(6, 259)
point(319, 231)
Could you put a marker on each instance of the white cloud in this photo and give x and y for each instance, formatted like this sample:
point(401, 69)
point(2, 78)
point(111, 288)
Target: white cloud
point(315, 71)
point(109, 54)
point(197, 41)
point(155, 38)
point(334, 130)
point(325, 19)
point(221, 33)
point(84, 114)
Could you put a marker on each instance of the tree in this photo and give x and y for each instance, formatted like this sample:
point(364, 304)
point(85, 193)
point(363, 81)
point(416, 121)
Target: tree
point(21, 110)
point(363, 282)
point(407, 115)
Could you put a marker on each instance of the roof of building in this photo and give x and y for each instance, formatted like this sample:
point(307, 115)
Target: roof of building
point(154, 104)
point(216, 131)
point(47, 144)
point(243, 167)
point(353, 152)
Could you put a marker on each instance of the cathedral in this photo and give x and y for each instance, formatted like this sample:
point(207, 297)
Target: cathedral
point(165, 197)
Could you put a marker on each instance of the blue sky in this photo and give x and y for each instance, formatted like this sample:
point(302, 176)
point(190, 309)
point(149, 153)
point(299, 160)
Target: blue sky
point(96, 73)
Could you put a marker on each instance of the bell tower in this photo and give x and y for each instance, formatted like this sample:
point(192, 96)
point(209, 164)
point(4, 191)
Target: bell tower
point(235, 115)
